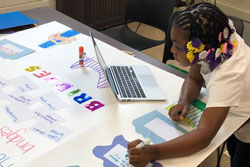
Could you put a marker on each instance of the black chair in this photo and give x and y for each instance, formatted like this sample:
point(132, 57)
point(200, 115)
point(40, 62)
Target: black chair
point(238, 24)
point(155, 13)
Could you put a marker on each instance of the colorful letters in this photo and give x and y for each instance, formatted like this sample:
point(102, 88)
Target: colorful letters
point(92, 106)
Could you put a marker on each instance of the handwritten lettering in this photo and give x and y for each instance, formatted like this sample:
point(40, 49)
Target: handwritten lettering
point(47, 118)
point(48, 104)
point(11, 114)
point(16, 138)
point(2, 83)
point(4, 162)
point(38, 131)
point(21, 99)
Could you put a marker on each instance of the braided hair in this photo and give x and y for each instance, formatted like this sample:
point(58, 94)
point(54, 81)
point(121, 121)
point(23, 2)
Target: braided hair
point(204, 21)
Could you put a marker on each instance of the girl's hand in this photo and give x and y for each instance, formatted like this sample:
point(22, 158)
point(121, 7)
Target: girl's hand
point(139, 157)
point(178, 112)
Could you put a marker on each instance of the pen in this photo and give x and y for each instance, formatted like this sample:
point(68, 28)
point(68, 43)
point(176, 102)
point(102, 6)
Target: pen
point(81, 52)
point(142, 144)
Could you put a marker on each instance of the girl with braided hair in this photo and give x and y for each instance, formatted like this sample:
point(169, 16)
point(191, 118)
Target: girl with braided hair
point(205, 39)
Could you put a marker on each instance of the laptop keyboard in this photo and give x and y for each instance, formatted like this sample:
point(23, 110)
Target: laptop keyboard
point(127, 82)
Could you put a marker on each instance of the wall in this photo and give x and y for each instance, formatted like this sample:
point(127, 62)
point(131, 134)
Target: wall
point(20, 5)
point(240, 9)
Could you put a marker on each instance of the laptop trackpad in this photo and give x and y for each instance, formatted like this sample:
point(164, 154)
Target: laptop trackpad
point(147, 80)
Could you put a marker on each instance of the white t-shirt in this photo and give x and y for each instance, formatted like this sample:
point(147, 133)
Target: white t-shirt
point(229, 85)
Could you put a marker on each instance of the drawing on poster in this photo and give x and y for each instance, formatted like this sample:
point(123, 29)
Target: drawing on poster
point(12, 50)
point(60, 38)
point(158, 127)
point(5, 161)
point(114, 154)
point(20, 107)
point(195, 111)
point(91, 63)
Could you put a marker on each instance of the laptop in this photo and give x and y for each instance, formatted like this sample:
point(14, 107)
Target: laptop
point(129, 82)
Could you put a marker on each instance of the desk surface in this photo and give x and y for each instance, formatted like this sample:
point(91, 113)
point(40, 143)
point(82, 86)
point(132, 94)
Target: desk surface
point(116, 119)
point(45, 15)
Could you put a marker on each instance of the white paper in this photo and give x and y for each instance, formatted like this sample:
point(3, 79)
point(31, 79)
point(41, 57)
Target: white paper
point(17, 113)
point(13, 48)
point(52, 101)
point(163, 129)
point(47, 118)
point(23, 84)
point(117, 156)
point(55, 133)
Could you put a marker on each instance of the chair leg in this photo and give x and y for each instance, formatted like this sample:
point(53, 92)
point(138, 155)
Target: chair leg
point(219, 154)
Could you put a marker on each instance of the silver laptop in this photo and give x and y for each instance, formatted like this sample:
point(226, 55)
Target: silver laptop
point(130, 82)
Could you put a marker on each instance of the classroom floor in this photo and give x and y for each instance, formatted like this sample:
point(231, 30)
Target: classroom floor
point(157, 53)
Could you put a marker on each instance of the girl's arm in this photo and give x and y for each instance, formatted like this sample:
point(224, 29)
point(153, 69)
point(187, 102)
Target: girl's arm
point(192, 85)
point(194, 141)
point(187, 144)
point(189, 91)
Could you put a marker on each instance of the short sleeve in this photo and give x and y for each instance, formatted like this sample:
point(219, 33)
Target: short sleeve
point(225, 89)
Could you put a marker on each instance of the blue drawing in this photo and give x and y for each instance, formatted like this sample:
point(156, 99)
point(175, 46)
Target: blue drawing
point(146, 133)
point(100, 151)
point(60, 38)
point(12, 50)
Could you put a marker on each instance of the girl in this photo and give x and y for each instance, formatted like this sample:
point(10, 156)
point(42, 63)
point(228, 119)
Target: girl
point(205, 38)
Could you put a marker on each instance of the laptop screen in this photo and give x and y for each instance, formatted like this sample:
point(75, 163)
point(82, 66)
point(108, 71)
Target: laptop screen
point(98, 54)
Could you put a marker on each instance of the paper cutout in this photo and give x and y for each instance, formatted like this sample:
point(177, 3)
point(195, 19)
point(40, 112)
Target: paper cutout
point(92, 106)
point(52, 101)
point(22, 107)
point(55, 133)
point(18, 98)
point(155, 116)
point(18, 113)
point(12, 50)
point(114, 155)
point(89, 62)
point(23, 84)
point(195, 111)
point(60, 38)
point(47, 118)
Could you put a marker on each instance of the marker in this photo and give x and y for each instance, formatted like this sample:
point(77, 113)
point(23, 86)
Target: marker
point(81, 52)
point(186, 119)
point(142, 144)
point(179, 112)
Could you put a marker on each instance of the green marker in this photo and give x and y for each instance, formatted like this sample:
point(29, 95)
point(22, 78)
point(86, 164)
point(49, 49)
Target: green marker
point(179, 113)
point(186, 119)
